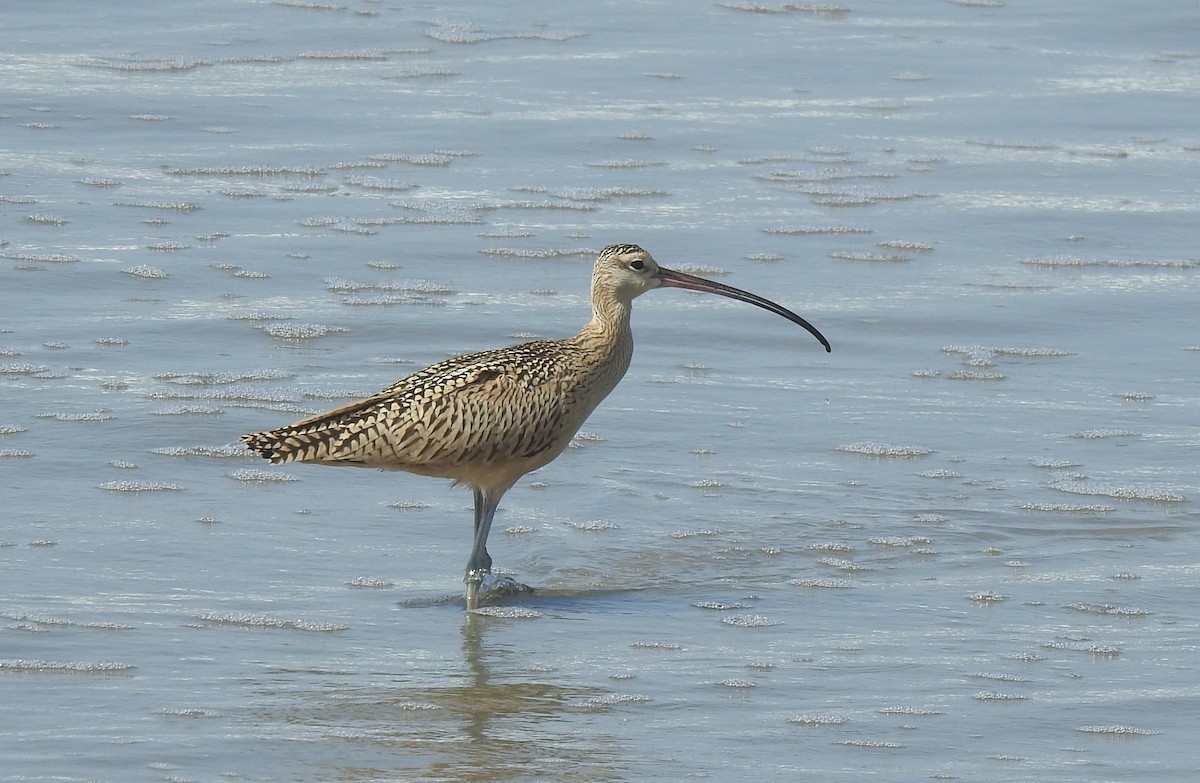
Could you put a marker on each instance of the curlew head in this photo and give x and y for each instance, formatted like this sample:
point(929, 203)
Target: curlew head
point(628, 271)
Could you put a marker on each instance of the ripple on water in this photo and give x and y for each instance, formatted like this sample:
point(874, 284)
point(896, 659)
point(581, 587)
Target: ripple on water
point(507, 612)
point(940, 473)
point(609, 700)
point(885, 451)
point(842, 564)
point(256, 476)
point(750, 621)
point(189, 410)
point(1104, 433)
point(22, 368)
point(656, 646)
point(1076, 262)
point(720, 606)
point(1069, 508)
point(920, 712)
point(219, 452)
point(817, 720)
point(1109, 609)
point(1054, 464)
point(1119, 492)
point(975, 375)
point(367, 582)
point(829, 584)
point(141, 486)
point(245, 620)
point(222, 378)
point(998, 696)
point(1083, 646)
point(1117, 731)
point(301, 331)
point(63, 667)
point(872, 744)
point(536, 253)
point(899, 541)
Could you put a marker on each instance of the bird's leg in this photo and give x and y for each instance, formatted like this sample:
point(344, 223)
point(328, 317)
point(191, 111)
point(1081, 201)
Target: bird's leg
point(480, 580)
point(480, 564)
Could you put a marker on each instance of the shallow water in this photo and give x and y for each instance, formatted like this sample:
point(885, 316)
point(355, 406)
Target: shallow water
point(960, 546)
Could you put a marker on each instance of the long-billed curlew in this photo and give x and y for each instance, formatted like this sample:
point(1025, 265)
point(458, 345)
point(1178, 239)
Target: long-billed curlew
point(486, 419)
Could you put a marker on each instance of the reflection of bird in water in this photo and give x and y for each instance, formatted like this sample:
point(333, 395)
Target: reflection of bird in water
point(486, 419)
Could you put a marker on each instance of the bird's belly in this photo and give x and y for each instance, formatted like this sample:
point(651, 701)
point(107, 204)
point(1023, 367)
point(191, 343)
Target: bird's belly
point(495, 474)
point(487, 468)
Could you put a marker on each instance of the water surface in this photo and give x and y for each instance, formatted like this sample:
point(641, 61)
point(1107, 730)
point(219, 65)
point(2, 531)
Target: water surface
point(960, 546)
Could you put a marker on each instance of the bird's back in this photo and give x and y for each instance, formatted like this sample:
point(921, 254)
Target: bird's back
point(483, 419)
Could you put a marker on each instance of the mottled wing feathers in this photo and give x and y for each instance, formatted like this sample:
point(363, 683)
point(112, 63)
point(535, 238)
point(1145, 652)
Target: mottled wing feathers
point(496, 406)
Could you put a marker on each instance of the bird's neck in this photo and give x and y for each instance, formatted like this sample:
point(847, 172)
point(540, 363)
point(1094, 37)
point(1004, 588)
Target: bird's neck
point(610, 321)
point(609, 329)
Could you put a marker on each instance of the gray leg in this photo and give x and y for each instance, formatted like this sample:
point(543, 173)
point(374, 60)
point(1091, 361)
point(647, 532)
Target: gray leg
point(480, 564)
point(480, 581)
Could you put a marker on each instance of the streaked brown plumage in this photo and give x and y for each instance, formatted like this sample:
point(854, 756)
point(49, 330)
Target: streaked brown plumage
point(488, 418)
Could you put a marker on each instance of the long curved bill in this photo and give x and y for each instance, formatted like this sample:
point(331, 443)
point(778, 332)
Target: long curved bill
point(669, 278)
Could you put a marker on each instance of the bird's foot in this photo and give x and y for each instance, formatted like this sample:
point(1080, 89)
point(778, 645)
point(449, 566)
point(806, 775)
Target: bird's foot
point(483, 586)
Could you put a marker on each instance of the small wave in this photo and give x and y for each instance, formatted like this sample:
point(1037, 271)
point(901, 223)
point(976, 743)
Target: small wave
point(842, 565)
point(366, 582)
point(507, 612)
point(816, 230)
point(827, 584)
point(265, 621)
point(22, 369)
point(898, 541)
point(1119, 492)
point(1116, 730)
point(609, 700)
point(255, 476)
point(872, 744)
point(55, 667)
point(1109, 609)
point(995, 696)
point(188, 712)
point(940, 473)
point(298, 331)
point(750, 621)
point(1068, 508)
point(918, 711)
point(1054, 464)
point(968, 375)
point(1104, 433)
point(817, 720)
point(656, 646)
point(1100, 650)
point(141, 486)
point(1074, 262)
point(868, 449)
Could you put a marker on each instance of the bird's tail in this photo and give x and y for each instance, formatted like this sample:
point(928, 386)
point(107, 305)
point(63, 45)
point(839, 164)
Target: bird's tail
point(320, 438)
point(278, 446)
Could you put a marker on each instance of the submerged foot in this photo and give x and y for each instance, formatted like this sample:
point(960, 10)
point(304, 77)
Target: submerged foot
point(484, 586)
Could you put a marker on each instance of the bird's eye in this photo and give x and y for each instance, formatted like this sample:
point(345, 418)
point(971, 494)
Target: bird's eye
point(639, 264)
